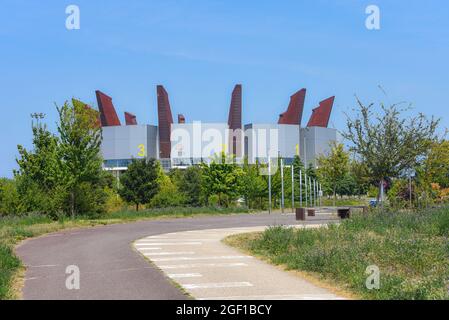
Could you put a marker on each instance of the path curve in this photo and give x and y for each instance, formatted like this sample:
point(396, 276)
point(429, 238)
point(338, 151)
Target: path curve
point(109, 267)
point(208, 269)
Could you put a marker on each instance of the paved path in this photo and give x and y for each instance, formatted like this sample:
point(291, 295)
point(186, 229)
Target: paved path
point(211, 270)
point(110, 268)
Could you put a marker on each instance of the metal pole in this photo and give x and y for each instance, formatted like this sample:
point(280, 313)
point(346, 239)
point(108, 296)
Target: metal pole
point(282, 185)
point(321, 195)
point(269, 185)
point(293, 187)
point(300, 188)
point(314, 192)
point(305, 154)
point(305, 185)
point(310, 191)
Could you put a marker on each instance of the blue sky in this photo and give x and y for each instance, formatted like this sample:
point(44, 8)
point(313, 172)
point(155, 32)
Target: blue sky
point(200, 49)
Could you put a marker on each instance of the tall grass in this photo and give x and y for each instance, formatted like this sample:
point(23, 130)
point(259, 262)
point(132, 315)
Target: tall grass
point(410, 249)
point(14, 229)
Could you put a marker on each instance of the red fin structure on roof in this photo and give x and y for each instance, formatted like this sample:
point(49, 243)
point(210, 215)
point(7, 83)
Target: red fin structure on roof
point(108, 116)
point(293, 115)
point(165, 120)
point(321, 115)
point(130, 119)
point(235, 119)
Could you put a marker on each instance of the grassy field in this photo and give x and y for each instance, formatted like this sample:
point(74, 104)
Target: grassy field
point(15, 229)
point(411, 251)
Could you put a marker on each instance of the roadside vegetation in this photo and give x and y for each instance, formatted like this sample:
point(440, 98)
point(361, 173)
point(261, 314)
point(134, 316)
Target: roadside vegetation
point(411, 250)
point(400, 160)
point(60, 182)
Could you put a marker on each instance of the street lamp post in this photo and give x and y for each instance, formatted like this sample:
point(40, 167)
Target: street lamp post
point(305, 186)
point(282, 185)
point(269, 185)
point(300, 188)
point(293, 187)
point(310, 192)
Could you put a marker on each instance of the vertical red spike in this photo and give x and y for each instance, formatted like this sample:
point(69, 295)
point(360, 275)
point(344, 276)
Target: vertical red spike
point(235, 117)
point(108, 115)
point(130, 119)
point(293, 115)
point(165, 121)
point(321, 115)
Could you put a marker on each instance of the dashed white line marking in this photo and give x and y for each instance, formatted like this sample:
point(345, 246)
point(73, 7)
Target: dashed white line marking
point(217, 285)
point(184, 275)
point(201, 265)
point(156, 237)
point(144, 249)
point(202, 258)
point(277, 297)
point(167, 244)
point(173, 240)
point(168, 253)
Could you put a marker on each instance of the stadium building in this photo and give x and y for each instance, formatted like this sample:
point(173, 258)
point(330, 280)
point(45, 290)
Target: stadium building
point(184, 144)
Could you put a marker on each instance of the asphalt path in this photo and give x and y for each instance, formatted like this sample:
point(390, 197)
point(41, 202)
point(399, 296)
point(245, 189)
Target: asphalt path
point(109, 266)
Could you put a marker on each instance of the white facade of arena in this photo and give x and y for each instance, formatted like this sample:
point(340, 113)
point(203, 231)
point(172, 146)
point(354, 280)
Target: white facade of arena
point(196, 142)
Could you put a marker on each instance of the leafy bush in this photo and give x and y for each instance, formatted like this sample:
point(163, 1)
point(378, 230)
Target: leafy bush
point(9, 197)
point(410, 249)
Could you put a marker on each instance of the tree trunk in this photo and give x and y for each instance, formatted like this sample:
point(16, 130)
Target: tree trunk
point(334, 191)
point(380, 195)
point(137, 207)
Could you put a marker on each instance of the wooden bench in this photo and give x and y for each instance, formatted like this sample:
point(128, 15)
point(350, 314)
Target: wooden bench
point(301, 213)
point(345, 212)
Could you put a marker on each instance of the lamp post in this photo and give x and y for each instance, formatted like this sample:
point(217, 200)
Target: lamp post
point(300, 188)
point(293, 187)
point(310, 192)
point(305, 186)
point(282, 185)
point(269, 185)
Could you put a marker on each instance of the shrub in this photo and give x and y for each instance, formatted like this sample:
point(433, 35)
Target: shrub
point(9, 197)
point(410, 248)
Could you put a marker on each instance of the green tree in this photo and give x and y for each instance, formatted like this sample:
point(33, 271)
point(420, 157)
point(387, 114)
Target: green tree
point(40, 165)
point(334, 167)
point(79, 156)
point(347, 186)
point(435, 166)
point(62, 167)
point(299, 168)
point(222, 179)
point(254, 186)
point(360, 173)
point(387, 142)
point(311, 172)
point(139, 184)
point(168, 194)
point(9, 197)
point(188, 182)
